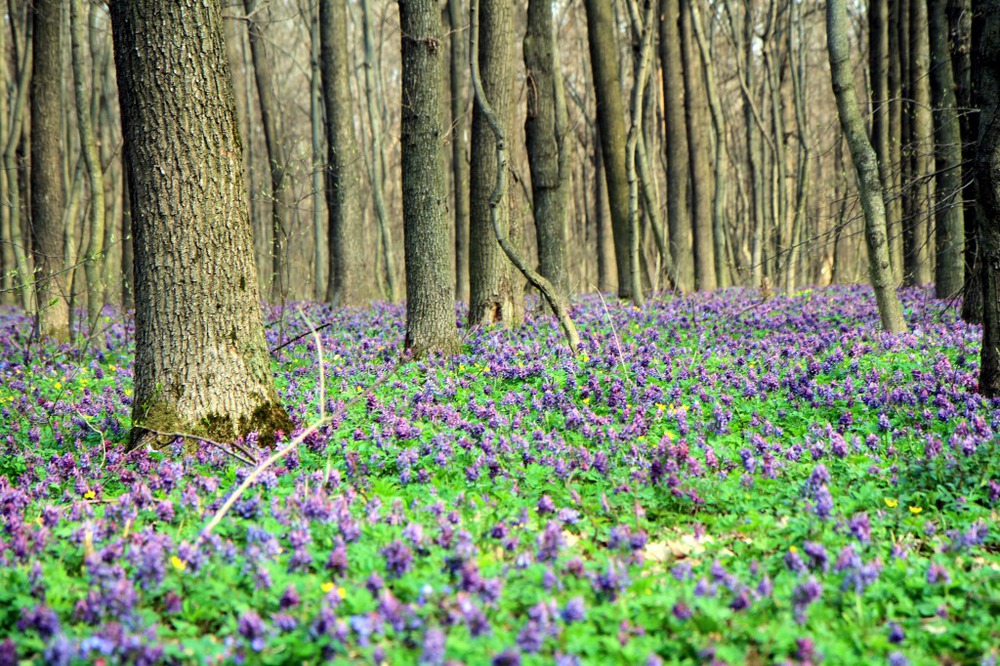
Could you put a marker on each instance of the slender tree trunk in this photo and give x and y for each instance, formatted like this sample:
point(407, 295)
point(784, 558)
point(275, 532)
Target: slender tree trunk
point(719, 130)
point(317, 137)
point(611, 120)
point(949, 274)
point(372, 82)
point(960, 18)
point(878, 66)
point(918, 264)
point(202, 364)
point(672, 68)
point(545, 131)
point(700, 162)
point(865, 165)
point(348, 274)
point(430, 309)
point(459, 86)
point(986, 74)
point(128, 249)
point(496, 295)
point(893, 194)
point(280, 198)
point(48, 192)
point(93, 257)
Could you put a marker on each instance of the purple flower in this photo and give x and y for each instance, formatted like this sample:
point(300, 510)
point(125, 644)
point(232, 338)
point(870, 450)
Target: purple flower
point(549, 542)
point(289, 598)
point(434, 646)
point(681, 611)
point(251, 627)
point(898, 659)
point(508, 657)
point(896, 634)
point(545, 505)
point(804, 595)
point(937, 574)
point(861, 527)
point(398, 558)
point(574, 611)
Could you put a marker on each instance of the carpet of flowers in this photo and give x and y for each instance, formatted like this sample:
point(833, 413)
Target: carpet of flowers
point(711, 480)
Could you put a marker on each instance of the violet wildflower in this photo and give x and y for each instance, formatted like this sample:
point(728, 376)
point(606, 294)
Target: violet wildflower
point(434, 648)
point(251, 627)
point(574, 611)
point(681, 611)
point(398, 558)
point(896, 634)
point(508, 657)
point(898, 659)
point(861, 527)
point(549, 542)
point(803, 596)
point(937, 574)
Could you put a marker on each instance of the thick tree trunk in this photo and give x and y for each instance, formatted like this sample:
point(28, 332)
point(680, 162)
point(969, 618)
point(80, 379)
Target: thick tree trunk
point(865, 165)
point(878, 66)
point(699, 133)
point(430, 308)
point(917, 229)
point(48, 190)
point(202, 364)
point(986, 73)
point(672, 67)
point(281, 205)
point(459, 85)
point(545, 131)
point(496, 292)
point(949, 273)
point(348, 282)
point(611, 120)
point(93, 257)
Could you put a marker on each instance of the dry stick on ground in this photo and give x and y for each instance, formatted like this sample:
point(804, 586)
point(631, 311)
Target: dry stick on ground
point(558, 304)
point(250, 459)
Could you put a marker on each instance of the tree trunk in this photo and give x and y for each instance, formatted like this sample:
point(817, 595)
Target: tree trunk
point(459, 86)
point(317, 135)
point(545, 131)
point(865, 165)
point(496, 295)
point(128, 247)
point(611, 120)
point(960, 18)
point(986, 73)
point(48, 192)
point(917, 229)
point(672, 68)
point(93, 257)
point(893, 193)
point(280, 198)
point(700, 162)
point(430, 308)
point(349, 271)
point(878, 66)
point(202, 364)
point(949, 274)
point(373, 80)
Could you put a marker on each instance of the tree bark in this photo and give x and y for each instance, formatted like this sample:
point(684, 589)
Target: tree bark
point(949, 273)
point(672, 68)
point(48, 191)
point(878, 66)
point(865, 165)
point(496, 295)
point(548, 154)
point(986, 74)
point(699, 133)
point(430, 309)
point(93, 257)
point(202, 364)
point(893, 193)
point(611, 120)
point(458, 80)
point(280, 198)
point(317, 137)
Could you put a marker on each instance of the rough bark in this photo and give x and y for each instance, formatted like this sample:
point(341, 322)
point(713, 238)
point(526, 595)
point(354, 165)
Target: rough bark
point(281, 205)
point(430, 309)
point(986, 73)
point(878, 67)
point(128, 247)
point(699, 131)
point(202, 364)
point(545, 132)
point(865, 165)
point(495, 291)
point(317, 137)
point(894, 200)
point(672, 68)
point(458, 83)
point(611, 120)
point(949, 272)
point(93, 256)
point(48, 189)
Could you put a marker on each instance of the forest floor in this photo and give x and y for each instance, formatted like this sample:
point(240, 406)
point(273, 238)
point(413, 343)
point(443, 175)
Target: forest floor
point(713, 480)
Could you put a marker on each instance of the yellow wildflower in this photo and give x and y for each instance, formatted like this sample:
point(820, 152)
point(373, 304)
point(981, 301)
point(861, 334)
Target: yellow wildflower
point(90, 494)
point(58, 385)
point(916, 509)
point(793, 549)
point(178, 563)
point(891, 503)
point(327, 587)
